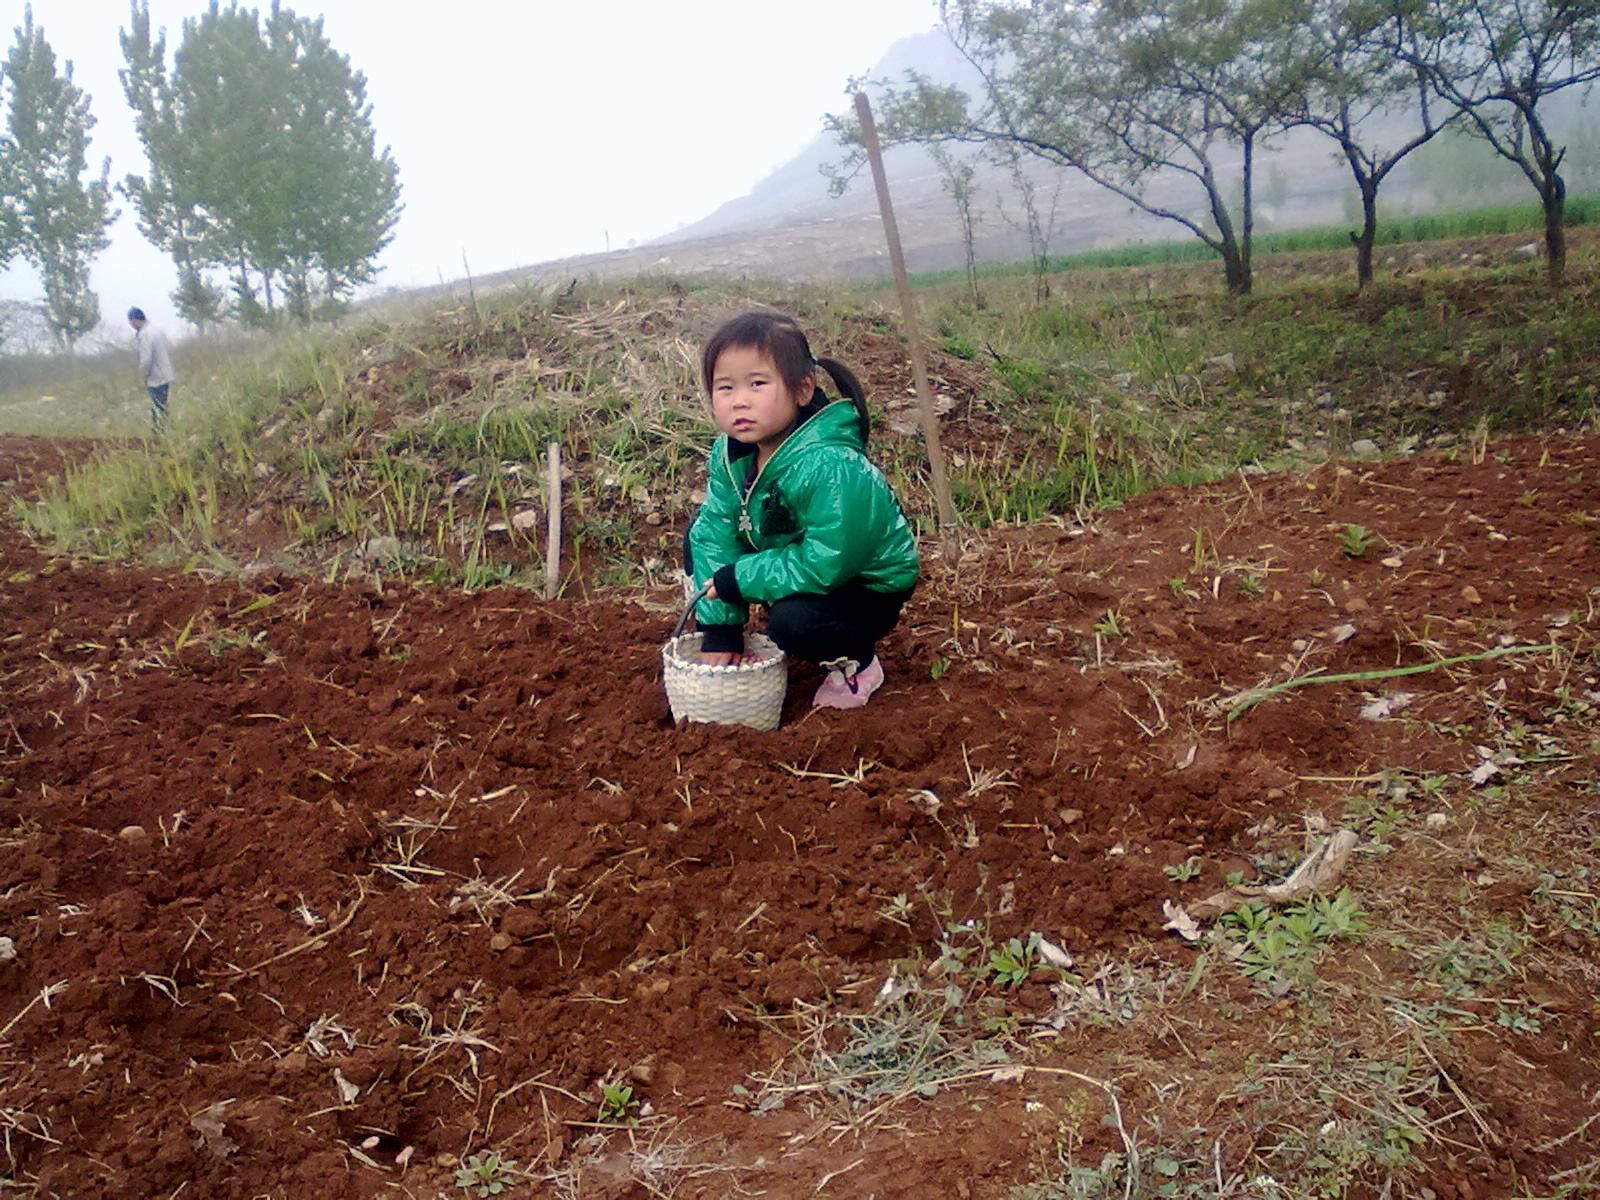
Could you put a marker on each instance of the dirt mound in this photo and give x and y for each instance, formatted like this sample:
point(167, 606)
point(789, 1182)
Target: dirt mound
point(303, 878)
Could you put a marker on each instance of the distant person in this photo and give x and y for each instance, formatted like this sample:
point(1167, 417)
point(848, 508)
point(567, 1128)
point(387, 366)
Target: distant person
point(155, 364)
point(796, 517)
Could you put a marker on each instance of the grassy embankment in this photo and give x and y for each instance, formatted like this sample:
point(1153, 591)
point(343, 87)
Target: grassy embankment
point(412, 442)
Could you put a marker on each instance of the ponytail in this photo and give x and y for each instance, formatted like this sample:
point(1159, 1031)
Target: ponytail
point(847, 383)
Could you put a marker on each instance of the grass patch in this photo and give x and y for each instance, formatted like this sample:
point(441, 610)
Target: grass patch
point(412, 444)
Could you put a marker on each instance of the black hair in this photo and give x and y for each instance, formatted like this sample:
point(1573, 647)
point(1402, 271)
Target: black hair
point(136, 314)
point(780, 339)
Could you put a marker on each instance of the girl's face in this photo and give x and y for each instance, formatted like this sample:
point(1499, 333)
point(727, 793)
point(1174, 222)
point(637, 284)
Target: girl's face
point(750, 401)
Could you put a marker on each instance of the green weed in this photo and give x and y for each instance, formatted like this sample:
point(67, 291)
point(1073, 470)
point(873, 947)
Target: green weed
point(1355, 540)
point(1184, 871)
point(617, 1102)
point(486, 1174)
point(1280, 947)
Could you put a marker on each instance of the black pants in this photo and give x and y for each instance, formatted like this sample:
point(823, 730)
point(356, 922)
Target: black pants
point(158, 406)
point(844, 623)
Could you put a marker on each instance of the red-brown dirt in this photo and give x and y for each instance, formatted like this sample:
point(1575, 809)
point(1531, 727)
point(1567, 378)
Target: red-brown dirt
point(231, 808)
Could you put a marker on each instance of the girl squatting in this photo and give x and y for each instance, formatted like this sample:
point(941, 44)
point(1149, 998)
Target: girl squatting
point(796, 517)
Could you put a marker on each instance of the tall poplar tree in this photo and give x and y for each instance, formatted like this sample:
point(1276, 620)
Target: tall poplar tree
point(262, 160)
point(59, 217)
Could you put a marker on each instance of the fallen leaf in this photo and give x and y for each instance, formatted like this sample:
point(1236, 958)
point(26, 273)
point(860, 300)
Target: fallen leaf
point(347, 1090)
point(1053, 954)
point(1383, 707)
point(1318, 872)
point(893, 989)
point(208, 1124)
point(1342, 633)
point(1180, 922)
point(1007, 1074)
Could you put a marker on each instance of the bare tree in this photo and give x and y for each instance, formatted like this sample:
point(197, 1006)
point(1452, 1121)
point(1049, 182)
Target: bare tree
point(956, 177)
point(1496, 62)
point(1352, 77)
point(1145, 97)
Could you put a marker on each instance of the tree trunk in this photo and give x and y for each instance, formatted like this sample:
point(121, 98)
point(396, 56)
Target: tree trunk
point(1235, 265)
point(1247, 218)
point(1555, 230)
point(1369, 232)
point(1235, 269)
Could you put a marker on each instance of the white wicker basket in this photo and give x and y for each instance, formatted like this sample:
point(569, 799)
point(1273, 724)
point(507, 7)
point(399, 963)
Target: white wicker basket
point(746, 694)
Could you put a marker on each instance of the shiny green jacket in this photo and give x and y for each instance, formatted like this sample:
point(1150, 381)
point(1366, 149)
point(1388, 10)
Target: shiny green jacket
point(818, 516)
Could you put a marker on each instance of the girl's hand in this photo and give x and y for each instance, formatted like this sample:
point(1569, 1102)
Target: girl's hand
point(711, 591)
point(726, 658)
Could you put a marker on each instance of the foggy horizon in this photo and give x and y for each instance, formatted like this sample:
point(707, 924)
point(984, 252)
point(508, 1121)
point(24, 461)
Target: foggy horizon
point(521, 136)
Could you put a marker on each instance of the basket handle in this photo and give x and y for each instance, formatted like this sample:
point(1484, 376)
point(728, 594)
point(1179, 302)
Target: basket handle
point(688, 610)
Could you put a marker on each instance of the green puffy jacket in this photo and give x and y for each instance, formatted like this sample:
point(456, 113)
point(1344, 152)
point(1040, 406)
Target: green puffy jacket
point(818, 516)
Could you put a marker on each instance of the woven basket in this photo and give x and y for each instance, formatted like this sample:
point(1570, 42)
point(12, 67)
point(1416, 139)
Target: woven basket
point(746, 694)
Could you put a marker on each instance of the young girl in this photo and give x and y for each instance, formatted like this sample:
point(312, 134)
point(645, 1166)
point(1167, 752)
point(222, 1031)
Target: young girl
point(796, 517)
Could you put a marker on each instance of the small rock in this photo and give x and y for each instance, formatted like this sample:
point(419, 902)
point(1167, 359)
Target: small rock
point(643, 1072)
point(1365, 448)
point(1222, 363)
point(132, 833)
point(383, 546)
point(500, 943)
point(1436, 820)
point(654, 518)
point(1470, 595)
point(525, 520)
point(1071, 816)
point(8, 950)
point(1528, 250)
point(1356, 604)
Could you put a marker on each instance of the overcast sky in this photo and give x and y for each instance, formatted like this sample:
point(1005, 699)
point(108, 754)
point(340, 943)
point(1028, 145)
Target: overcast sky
point(523, 129)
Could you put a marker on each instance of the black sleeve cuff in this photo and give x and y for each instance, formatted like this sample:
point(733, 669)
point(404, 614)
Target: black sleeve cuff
point(722, 639)
point(727, 581)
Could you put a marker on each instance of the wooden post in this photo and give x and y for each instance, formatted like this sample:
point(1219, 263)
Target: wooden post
point(908, 313)
point(552, 544)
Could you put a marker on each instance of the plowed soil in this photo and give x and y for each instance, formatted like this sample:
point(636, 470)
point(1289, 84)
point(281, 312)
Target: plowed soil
point(314, 889)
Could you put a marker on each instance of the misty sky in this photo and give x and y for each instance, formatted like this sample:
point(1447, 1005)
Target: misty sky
point(524, 129)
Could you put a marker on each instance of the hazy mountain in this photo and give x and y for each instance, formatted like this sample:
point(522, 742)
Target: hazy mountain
point(797, 191)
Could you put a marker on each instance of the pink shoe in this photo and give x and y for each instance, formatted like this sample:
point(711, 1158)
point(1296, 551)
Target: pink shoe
point(846, 686)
